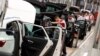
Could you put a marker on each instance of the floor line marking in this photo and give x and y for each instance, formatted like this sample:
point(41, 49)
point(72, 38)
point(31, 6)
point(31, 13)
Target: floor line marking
point(86, 39)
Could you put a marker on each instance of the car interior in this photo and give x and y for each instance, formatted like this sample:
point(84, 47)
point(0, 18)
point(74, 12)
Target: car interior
point(33, 44)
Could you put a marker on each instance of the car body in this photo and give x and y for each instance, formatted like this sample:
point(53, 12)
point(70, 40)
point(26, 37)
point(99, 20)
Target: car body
point(82, 26)
point(47, 16)
point(89, 18)
point(38, 45)
point(11, 28)
point(13, 12)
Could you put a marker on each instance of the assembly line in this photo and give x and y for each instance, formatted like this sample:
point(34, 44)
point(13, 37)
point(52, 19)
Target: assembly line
point(34, 28)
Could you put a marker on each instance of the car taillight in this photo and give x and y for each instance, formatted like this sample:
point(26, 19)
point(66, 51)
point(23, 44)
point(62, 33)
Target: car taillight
point(2, 42)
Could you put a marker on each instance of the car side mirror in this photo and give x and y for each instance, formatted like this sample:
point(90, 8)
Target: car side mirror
point(9, 32)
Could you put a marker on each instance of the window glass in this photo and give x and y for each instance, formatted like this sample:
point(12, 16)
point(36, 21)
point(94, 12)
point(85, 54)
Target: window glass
point(53, 33)
point(34, 31)
point(38, 10)
point(50, 9)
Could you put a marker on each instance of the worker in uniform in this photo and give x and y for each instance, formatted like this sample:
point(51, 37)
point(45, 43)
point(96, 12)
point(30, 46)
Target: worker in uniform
point(61, 23)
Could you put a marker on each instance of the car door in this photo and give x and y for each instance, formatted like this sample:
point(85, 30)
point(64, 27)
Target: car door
point(35, 41)
point(55, 34)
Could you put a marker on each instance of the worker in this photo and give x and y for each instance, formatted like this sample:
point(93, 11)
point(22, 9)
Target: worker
point(61, 23)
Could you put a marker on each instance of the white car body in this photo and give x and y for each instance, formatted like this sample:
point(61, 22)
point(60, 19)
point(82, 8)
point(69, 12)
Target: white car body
point(22, 10)
point(15, 11)
point(18, 10)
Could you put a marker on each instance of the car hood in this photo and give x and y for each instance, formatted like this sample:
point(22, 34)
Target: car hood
point(20, 9)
